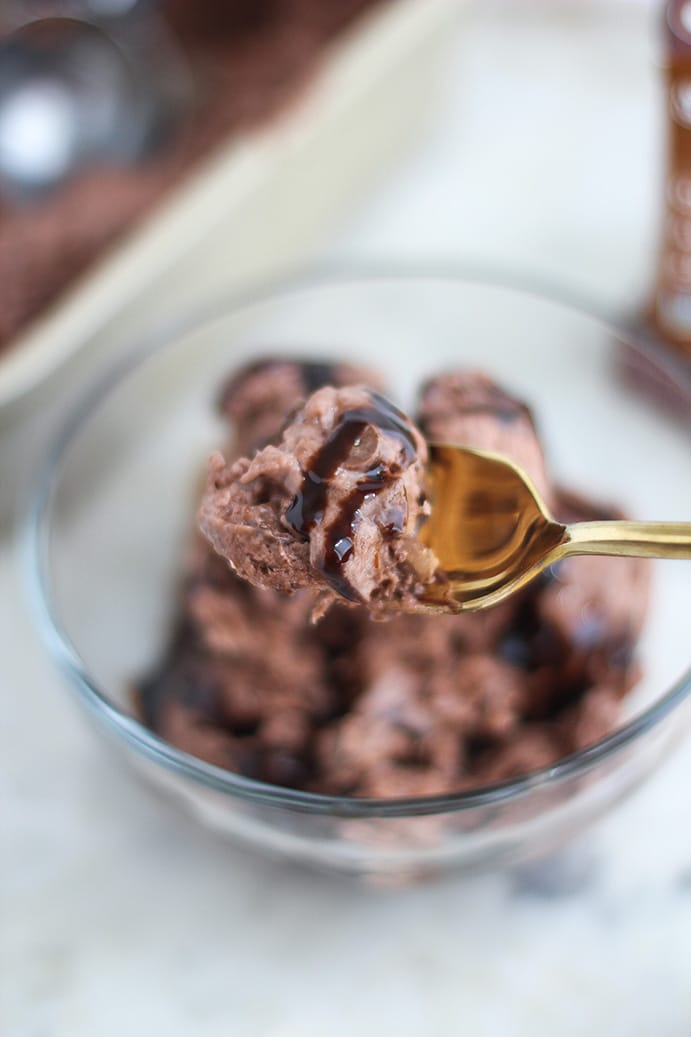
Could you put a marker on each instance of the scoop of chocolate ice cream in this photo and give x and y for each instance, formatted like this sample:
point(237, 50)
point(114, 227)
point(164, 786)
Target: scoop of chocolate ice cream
point(336, 504)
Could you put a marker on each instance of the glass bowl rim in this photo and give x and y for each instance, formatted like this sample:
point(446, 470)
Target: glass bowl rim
point(35, 552)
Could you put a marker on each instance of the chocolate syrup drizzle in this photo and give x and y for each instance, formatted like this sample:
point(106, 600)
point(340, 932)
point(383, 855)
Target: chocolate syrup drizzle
point(310, 503)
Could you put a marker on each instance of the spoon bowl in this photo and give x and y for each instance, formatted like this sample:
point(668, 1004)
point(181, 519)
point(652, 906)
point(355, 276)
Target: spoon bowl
point(492, 532)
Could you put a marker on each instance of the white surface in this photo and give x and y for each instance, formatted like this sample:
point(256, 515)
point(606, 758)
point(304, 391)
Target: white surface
point(119, 916)
point(546, 157)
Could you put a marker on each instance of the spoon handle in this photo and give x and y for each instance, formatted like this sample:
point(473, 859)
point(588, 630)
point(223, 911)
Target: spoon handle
point(643, 539)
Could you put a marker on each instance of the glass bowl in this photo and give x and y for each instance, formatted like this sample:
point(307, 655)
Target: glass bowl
point(114, 502)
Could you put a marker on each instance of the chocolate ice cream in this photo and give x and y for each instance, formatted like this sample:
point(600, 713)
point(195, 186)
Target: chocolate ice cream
point(418, 705)
point(257, 400)
point(468, 408)
point(335, 504)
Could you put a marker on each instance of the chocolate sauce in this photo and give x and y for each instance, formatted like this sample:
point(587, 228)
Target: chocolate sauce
point(310, 503)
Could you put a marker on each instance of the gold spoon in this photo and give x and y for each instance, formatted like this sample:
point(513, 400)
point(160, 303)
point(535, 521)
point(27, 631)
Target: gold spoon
point(492, 533)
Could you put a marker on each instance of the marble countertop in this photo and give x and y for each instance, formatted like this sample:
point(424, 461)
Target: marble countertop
point(118, 915)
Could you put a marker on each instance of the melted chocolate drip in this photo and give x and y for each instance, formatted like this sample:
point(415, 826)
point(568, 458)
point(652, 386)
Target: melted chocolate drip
point(310, 503)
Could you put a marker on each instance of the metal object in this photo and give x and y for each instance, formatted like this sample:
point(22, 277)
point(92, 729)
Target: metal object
point(493, 534)
point(82, 82)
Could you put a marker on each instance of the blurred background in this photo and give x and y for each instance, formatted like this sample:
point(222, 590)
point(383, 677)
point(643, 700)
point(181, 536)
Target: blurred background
point(155, 154)
point(246, 138)
point(151, 148)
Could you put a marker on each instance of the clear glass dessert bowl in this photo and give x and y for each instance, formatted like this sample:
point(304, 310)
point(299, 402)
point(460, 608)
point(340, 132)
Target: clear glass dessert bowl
point(113, 504)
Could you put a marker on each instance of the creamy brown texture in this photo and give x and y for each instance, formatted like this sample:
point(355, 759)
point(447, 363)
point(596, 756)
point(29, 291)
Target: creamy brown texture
point(418, 705)
point(335, 505)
